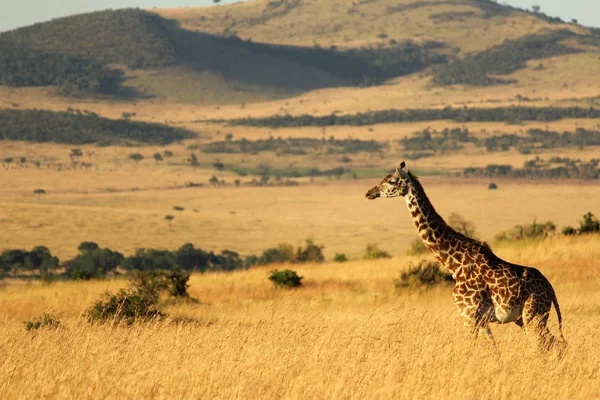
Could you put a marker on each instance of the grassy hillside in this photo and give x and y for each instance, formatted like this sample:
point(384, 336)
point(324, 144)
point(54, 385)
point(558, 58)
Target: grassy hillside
point(269, 50)
point(141, 40)
point(465, 25)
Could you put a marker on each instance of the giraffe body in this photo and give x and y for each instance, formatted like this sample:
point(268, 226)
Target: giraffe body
point(488, 289)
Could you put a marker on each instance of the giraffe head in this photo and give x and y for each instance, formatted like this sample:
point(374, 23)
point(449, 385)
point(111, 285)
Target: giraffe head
point(394, 185)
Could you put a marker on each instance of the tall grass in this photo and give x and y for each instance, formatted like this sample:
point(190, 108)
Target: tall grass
point(346, 333)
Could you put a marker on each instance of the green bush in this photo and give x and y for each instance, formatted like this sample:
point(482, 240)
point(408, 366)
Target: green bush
point(374, 252)
point(569, 231)
point(425, 274)
point(46, 320)
point(340, 258)
point(285, 278)
point(590, 224)
point(126, 306)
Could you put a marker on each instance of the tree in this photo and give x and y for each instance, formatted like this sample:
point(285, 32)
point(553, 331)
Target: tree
point(167, 154)
point(193, 160)
point(157, 157)
point(214, 180)
point(536, 9)
point(219, 166)
point(216, 2)
point(75, 153)
point(85, 247)
point(169, 219)
point(93, 262)
point(590, 224)
point(39, 192)
point(12, 260)
point(137, 157)
point(40, 258)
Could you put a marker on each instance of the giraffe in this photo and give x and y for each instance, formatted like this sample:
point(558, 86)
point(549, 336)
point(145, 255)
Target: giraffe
point(488, 289)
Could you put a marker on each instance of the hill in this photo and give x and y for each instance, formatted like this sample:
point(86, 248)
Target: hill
point(48, 54)
point(269, 50)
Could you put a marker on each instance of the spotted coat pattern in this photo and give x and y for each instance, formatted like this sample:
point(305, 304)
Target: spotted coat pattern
point(488, 289)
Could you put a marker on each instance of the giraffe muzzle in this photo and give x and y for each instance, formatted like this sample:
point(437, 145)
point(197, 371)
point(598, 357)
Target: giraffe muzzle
point(372, 194)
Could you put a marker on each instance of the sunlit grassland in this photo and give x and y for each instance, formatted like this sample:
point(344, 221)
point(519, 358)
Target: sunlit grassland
point(347, 333)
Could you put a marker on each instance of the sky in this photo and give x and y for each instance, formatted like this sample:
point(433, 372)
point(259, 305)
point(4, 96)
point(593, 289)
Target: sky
point(17, 13)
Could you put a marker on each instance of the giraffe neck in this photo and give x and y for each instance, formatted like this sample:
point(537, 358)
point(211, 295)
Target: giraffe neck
point(437, 236)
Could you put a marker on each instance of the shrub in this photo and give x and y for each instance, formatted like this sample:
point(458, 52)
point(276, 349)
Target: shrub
point(426, 274)
point(311, 253)
point(153, 283)
point(46, 320)
point(590, 224)
point(178, 208)
point(126, 306)
point(286, 278)
point(279, 255)
point(340, 258)
point(417, 247)
point(461, 225)
point(535, 230)
point(492, 186)
point(374, 252)
point(569, 231)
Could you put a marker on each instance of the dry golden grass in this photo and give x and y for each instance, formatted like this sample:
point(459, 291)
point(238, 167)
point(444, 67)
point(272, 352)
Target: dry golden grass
point(346, 334)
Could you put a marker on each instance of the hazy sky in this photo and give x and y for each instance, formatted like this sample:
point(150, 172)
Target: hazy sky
point(16, 13)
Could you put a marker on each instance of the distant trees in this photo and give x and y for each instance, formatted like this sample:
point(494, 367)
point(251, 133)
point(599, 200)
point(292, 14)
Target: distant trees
point(39, 259)
point(157, 157)
point(503, 59)
point(295, 146)
point(81, 128)
point(93, 262)
point(510, 114)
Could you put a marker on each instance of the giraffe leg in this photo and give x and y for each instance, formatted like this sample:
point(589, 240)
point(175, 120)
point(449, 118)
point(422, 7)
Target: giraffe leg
point(475, 327)
point(535, 320)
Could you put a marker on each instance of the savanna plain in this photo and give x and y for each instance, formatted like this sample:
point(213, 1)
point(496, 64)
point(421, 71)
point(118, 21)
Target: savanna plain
point(349, 331)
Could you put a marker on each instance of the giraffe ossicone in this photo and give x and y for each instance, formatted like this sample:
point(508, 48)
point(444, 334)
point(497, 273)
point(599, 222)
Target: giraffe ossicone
point(488, 289)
